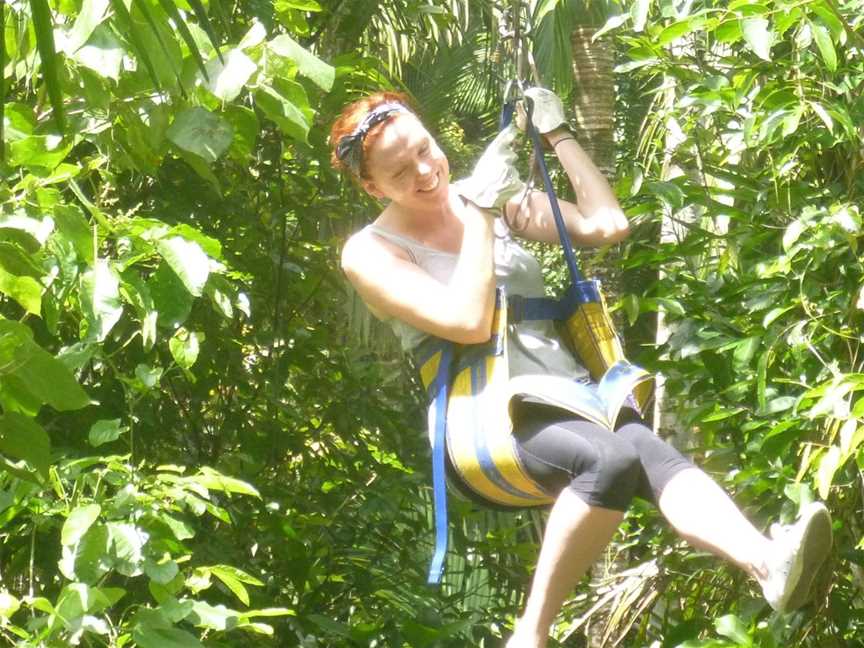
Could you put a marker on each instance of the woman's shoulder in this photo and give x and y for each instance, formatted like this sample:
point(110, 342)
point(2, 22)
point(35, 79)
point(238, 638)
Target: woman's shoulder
point(365, 245)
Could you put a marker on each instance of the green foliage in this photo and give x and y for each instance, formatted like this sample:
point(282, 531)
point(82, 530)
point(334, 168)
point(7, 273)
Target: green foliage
point(204, 443)
point(749, 154)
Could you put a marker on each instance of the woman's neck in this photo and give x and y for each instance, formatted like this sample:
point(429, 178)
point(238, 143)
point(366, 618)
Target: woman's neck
point(427, 222)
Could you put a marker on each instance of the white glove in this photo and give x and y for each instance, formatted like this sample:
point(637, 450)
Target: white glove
point(547, 114)
point(495, 179)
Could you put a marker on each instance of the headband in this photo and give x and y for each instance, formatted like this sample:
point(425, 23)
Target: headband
point(350, 147)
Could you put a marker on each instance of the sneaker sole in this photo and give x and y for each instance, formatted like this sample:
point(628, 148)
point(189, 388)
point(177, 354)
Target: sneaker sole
point(815, 547)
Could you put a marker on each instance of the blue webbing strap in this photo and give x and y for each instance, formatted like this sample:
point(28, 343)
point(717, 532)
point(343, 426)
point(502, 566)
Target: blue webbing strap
point(438, 424)
point(569, 255)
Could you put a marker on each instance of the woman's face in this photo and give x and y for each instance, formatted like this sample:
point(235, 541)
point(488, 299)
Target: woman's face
point(405, 165)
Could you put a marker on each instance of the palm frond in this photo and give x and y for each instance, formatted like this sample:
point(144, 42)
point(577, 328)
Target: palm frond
point(552, 49)
point(43, 23)
point(171, 9)
point(129, 30)
point(145, 10)
point(204, 20)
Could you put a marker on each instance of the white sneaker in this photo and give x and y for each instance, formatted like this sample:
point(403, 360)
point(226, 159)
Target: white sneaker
point(798, 550)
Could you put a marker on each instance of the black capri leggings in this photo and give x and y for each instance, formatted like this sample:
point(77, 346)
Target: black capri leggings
point(603, 468)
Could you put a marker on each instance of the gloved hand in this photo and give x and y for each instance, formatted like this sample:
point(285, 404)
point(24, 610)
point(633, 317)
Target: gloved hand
point(495, 179)
point(547, 114)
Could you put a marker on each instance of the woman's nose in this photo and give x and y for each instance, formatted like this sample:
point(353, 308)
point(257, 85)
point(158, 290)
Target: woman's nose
point(424, 168)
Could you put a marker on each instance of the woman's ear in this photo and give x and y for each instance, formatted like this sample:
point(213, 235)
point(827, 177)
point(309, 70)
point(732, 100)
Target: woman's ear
point(371, 188)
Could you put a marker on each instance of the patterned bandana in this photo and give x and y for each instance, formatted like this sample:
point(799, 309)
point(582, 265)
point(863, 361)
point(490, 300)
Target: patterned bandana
point(350, 147)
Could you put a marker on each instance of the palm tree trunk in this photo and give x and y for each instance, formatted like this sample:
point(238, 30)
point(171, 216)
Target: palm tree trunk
point(594, 104)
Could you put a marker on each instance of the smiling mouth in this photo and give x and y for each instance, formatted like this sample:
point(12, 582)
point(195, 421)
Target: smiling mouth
point(433, 185)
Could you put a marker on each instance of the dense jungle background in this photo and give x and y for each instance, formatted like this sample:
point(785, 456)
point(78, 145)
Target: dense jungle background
point(206, 441)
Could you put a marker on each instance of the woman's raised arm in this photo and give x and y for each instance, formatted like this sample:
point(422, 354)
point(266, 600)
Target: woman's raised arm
point(596, 218)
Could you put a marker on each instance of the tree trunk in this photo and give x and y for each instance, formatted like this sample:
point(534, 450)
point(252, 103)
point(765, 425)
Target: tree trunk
point(594, 102)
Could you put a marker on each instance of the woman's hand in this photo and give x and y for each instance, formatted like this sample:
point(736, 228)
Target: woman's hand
point(547, 111)
point(495, 179)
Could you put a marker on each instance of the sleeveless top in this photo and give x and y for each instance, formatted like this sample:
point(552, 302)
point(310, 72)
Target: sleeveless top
point(535, 347)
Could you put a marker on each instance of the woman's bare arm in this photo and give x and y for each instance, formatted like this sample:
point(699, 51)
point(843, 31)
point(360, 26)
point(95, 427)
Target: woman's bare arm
point(391, 285)
point(596, 218)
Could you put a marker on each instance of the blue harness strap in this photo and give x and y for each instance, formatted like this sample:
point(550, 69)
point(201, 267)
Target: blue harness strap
point(438, 412)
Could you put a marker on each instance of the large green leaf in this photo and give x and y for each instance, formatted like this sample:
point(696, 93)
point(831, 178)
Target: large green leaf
point(100, 297)
point(287, 115)
point(214, 480)
point(824, 44)
point(135, 291)
point(24, 290)
point(91, 15)
point(105, 431)
point(39, 373)
point(22, 438)
point(234, 580)
point(246, 128)
point(307, 63)
point(228, 77)
point(127, 544)
point(172, 299)
point(184, 347)
point(758, 36)
point(72, 224)
point(161, 572)
point(78, 522)
point(14, 260)
point(87, 560)
point(199, 131)
point(188, 260)
point(218, 618)
point(103, 54)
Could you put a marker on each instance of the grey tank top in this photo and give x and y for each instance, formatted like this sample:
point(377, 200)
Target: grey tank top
point(534, 346)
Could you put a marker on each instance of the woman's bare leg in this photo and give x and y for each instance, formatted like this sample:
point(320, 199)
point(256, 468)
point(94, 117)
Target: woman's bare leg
point(706, 517)
point(575, 535)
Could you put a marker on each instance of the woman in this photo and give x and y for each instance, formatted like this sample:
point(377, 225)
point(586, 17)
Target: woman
point(429, 264)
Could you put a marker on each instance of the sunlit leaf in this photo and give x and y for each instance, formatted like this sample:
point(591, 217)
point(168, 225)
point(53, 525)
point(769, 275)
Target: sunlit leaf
point(758, 36)
point(284, 112)
point(228, 78)
point(732, 627)
point(188, 260)
point(828, 466)
point(24, 290)
point(639, 13)
point(307, 63)
point(105, 431)
point(78, 522)
point(100, 296)
point(201, 132)
point(824, 44)
point(23, 438)
point(184, 347)
point(103, 54)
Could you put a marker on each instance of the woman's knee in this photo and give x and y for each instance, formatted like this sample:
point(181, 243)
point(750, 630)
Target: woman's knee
point(660, 461)
point(618, 473)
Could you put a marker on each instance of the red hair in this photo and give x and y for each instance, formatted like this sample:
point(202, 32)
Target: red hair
point(350, 118)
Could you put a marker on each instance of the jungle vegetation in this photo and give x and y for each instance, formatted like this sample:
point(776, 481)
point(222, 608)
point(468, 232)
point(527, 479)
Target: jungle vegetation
point(205, 440)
